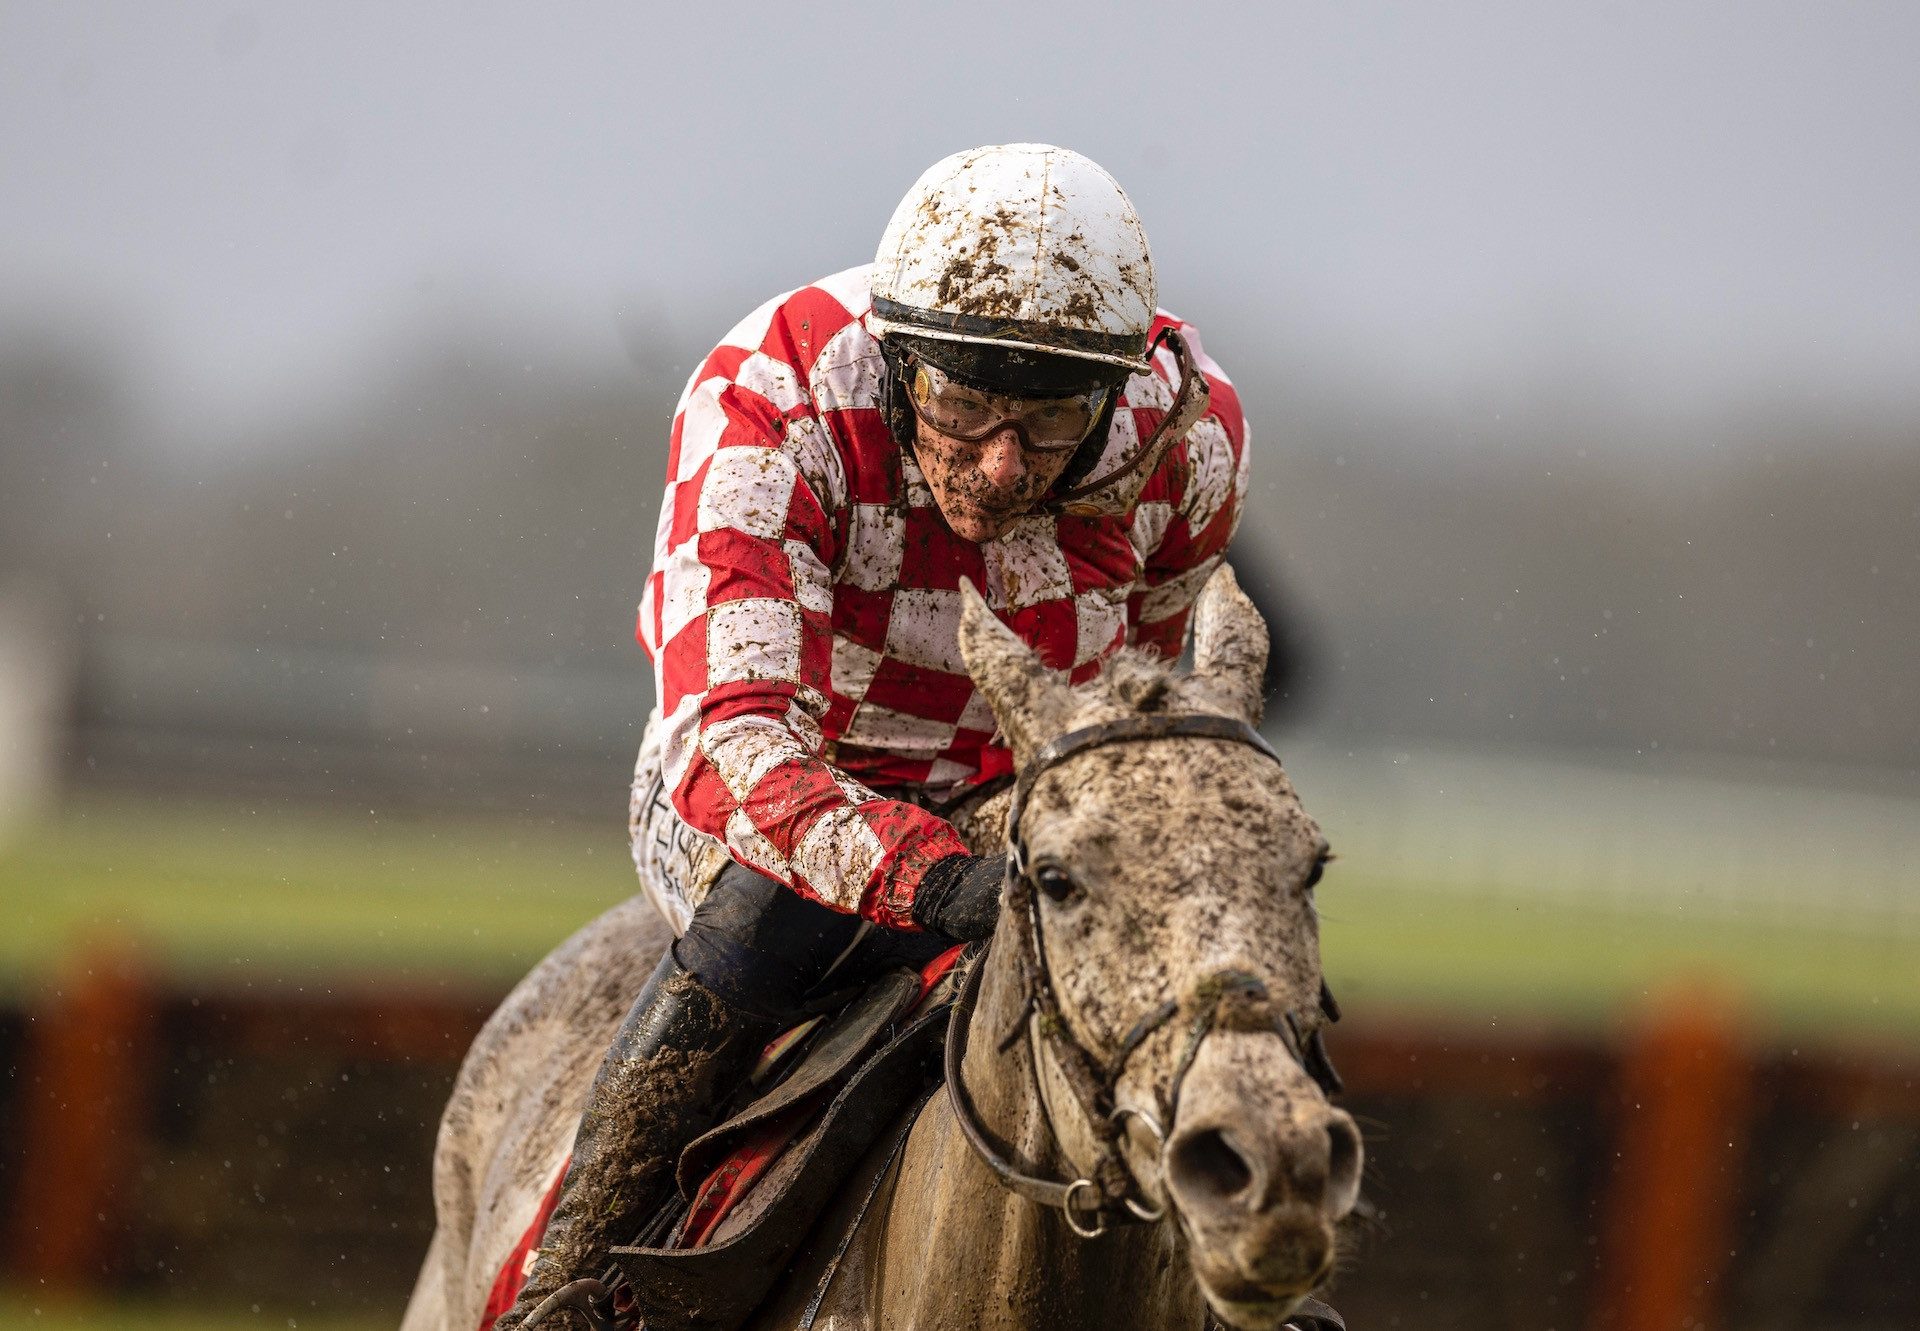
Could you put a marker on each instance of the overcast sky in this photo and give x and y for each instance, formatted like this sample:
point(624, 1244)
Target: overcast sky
point(264, 202)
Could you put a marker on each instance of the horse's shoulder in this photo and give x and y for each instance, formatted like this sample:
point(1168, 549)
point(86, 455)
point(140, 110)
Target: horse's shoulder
point(595, 972)
point(577, 992)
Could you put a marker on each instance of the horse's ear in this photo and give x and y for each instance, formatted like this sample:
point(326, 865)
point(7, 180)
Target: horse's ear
point(1029, 700)
point(1229, 648)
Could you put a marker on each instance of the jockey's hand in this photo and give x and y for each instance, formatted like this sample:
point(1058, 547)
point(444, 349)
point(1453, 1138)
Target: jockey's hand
point(959, 897)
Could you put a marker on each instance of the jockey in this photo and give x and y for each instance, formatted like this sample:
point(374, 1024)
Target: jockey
point(995, 398)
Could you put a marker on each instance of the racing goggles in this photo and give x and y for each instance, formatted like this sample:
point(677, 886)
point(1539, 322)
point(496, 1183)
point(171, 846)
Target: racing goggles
point(1044, 424)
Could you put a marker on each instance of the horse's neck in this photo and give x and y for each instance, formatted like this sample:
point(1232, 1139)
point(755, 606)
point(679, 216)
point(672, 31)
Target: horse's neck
point(961, 1251)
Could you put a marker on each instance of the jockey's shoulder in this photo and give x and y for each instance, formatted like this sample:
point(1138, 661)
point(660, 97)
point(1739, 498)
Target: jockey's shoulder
point(808, 330)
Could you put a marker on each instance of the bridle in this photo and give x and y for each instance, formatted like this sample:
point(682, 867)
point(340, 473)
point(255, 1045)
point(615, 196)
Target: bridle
point(1225, 1000)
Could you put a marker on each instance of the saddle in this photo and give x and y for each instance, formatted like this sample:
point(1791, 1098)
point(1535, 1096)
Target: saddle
point(760, 1179)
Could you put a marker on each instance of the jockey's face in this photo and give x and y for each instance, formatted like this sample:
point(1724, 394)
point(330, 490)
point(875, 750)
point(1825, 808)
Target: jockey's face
point(982, 487)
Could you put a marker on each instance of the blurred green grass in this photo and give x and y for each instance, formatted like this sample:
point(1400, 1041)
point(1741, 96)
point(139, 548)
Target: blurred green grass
point(234, 893)
point(228, 891)
point(1395, 950)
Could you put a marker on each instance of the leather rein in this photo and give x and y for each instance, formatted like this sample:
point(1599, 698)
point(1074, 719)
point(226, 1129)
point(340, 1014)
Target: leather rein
point(1233, 999)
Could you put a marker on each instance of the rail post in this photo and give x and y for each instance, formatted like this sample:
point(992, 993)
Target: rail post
point(1668, 1203)
point(87, 1066)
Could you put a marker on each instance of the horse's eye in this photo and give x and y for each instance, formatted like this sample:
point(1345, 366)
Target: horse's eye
point(1056, 882)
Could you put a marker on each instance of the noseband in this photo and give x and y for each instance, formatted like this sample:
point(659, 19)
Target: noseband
point(1224, 1000)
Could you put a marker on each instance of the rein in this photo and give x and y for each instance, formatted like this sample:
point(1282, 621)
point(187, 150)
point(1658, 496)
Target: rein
point(1225, 999)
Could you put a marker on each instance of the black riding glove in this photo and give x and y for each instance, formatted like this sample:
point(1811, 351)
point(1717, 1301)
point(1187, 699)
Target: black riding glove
point(959, 897)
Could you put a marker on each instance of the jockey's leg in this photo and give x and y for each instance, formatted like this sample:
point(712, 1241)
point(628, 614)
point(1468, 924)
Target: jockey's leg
point(677, 1053)
point(753, 954)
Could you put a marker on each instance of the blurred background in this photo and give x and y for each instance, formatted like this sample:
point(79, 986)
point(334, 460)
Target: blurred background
point(337, 350)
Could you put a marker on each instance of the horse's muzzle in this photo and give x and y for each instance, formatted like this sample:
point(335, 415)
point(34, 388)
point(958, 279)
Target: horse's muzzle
point(1261, 1169)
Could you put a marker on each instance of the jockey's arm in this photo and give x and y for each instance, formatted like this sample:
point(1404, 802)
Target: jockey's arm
point(744, 601)
point(1187, 514)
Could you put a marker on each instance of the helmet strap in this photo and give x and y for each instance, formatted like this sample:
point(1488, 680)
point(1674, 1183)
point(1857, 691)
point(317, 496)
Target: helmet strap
point(895, 409)
point(1190, 402)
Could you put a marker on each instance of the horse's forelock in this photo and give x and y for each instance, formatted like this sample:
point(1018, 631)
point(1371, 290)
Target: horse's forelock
point(1139, 678)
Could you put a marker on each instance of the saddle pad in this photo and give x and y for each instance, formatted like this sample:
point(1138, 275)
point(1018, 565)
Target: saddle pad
point(754, 1149)
point(719, 1285)
point(847, 1038)
point(513, 1271)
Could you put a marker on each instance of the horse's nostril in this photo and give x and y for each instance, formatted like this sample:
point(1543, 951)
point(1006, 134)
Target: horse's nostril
point(1343, 1156)
point(1206, 1164)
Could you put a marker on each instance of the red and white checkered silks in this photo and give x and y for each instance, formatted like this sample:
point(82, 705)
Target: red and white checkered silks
point(803, 610)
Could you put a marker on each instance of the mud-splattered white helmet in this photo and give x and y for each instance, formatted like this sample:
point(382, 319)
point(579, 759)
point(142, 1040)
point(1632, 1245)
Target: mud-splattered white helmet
point(1015, 255)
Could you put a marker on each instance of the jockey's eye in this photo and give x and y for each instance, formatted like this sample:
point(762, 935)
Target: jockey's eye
point(1056, 882)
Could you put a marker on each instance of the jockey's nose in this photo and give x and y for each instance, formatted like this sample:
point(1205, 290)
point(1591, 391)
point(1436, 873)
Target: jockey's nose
point(1002, 459)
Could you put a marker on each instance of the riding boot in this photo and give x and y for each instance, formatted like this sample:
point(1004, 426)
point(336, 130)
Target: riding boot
point(678, 1054)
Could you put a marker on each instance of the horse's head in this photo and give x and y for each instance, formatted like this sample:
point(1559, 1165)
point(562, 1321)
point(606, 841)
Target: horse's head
point(1183, 870)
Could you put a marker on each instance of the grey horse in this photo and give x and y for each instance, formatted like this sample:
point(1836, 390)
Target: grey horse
point(1176, 861)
